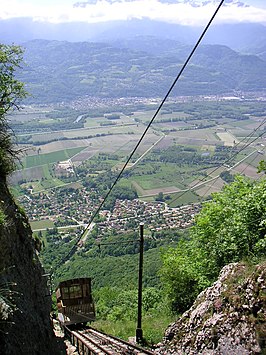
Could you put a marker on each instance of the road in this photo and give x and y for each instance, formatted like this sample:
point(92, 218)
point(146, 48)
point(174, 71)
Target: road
point(146, 152)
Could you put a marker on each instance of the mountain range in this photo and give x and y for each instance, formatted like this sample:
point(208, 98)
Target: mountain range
point(245, 37)
point(59, 71)
point(136, 57)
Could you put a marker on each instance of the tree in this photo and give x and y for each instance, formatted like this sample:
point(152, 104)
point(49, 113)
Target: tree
point(11, 92)
point(262, 166)
point(160, 197)
point(178, 277)
point(230, 228)
point(226, 176)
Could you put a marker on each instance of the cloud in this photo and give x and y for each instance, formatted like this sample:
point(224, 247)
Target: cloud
point(102, 10)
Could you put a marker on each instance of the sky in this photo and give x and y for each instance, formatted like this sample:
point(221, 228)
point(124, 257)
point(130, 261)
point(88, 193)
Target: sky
point(59, 11)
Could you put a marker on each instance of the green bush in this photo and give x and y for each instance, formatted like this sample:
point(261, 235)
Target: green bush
point(230, 228)
point(11, 91)
point(117, 310)
point(2, 217)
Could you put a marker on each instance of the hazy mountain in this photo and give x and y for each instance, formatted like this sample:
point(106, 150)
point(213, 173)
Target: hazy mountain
point(19, 30)
point(246, 37)
point(61, 71)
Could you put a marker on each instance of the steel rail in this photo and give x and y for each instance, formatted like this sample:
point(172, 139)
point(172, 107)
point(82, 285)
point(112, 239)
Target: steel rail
point(89, 341)
point(126, 345)
point(91, 344)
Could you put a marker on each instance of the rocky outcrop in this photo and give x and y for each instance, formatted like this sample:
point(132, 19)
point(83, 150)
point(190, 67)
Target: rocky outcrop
point(226, 318)
point(25, 302)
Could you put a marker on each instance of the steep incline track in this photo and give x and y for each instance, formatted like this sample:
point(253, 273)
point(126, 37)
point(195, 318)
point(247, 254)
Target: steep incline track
point(91, 341)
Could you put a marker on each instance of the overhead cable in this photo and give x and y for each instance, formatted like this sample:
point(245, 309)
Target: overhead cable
point(71, 252)
point(227, 161)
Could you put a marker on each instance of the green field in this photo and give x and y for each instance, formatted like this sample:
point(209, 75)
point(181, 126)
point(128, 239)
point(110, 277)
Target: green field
point(183, 198)
point(48, 158)
point(158, 175)
point(194, 125)
point(43, 224)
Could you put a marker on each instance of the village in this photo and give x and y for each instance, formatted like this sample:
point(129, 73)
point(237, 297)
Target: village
point(156, 216)
point(74, 208)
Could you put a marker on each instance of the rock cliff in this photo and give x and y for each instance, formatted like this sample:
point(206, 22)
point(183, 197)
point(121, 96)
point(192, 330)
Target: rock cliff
point(24, 298)
point(226, 318)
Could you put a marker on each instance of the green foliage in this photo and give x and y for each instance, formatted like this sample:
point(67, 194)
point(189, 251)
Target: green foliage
point(183, 155)
point(233, 225)
point(227, 177)
point(121, 193)
point(112, 116)
point(262, 166)
point(127, 243)
point(11, 92)
point(160, 197)
point(117, 308)
point(133, 72)
point(116, 311)
point(178, 276)
point(120, 271)
point(2, 217)
point(230, 228)
point(153, 326)
point(123, 305)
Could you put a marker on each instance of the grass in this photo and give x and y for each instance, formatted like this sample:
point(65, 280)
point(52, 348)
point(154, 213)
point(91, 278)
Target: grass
point(97, 121)
point(153, 327)
point(50, 183)
point(160, 175)
point(46, 183)
point(183, 198)
point(16, 190)
point(46, 172)
point(43, 137)
point(48, 158)
point(43, 224)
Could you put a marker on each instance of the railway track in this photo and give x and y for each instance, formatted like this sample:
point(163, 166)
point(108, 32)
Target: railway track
point(90, 341)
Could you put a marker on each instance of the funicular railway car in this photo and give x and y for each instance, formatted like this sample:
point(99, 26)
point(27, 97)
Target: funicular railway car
point(74, 301)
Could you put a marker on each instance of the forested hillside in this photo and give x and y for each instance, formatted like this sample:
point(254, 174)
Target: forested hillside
point(59, 71)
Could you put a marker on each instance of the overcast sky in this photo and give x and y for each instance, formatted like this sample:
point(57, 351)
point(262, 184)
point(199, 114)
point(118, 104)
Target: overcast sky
point(63, 11)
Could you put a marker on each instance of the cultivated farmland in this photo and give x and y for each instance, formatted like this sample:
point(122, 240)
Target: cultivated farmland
point(198, 135)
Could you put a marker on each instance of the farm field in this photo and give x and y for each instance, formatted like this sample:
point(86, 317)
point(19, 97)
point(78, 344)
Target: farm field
point(199, 127)
point(92, 122)
point(48, 158)
point(214, 185)
point(228, 138)
point(247, 169)
point(41, 225)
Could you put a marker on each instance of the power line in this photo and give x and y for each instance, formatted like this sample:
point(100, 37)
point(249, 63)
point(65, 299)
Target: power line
point(242, 171)
point(71, 252)
point(243, 148)
point(228, 160)
point(214, 180)
point(250, 163)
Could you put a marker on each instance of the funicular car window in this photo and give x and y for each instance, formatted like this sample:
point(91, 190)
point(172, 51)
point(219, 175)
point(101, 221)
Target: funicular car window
point(75, 291)
point(65, 293)
point(85, 290)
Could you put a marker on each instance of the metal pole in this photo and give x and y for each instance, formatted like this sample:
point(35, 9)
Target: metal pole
point(139, 335)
